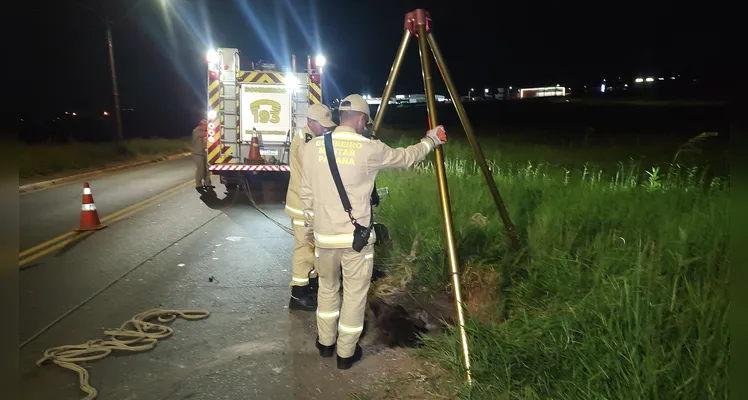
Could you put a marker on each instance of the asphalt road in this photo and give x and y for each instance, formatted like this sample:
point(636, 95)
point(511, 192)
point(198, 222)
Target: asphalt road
point(48, 213)
point(186, 252)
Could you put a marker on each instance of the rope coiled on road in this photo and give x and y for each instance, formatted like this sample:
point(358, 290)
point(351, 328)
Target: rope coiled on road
point(136, 334)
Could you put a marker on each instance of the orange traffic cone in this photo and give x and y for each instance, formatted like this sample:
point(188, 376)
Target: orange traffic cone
point(89, 216)
point(254, 150)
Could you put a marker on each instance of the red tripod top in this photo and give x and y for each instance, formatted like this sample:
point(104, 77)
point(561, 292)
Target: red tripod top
point(415, 18)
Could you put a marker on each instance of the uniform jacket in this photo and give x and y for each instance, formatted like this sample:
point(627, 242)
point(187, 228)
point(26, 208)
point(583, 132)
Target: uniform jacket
point(199, 142)
point(359, 160)
point(294, 208)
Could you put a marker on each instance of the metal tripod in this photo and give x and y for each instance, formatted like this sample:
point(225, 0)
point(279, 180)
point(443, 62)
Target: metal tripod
point(417, 23)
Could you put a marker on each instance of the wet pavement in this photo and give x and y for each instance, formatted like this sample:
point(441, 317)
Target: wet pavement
point(183, 254)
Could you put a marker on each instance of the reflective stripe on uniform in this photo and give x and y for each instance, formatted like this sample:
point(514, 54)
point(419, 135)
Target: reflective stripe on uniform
point(308, 214)
point(297, 222)
point(350, 329)
point(88, 207)
point(300, 280)
point(428, 144)
point(349, 136)
point(295, 211)
point(334, 239)
point(328, 315)
point(369, 256)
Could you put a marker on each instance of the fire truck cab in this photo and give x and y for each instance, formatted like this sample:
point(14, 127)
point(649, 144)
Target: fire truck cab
point(260, 102)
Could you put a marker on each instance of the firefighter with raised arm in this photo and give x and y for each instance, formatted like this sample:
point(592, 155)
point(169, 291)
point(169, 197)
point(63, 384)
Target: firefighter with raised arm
point(338, 220)
point(199, 155)
point(303, 276)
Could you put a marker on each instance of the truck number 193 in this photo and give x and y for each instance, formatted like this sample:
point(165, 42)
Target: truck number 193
point(264, 116)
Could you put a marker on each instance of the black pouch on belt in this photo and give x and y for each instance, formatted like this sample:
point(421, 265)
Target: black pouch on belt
point(360, 233)
point(360, 236)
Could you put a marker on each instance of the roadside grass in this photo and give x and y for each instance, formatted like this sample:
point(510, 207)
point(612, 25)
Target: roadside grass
point(521, 148)
point(41, 160)
point(624, 292)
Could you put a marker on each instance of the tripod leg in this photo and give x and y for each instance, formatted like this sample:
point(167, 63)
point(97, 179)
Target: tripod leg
point(479, 158)
point(391, 81)
point(441, 175)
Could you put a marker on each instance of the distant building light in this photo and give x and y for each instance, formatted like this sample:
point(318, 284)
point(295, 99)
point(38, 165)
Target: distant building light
point(400, 96)
point(74, 114)
point(510, 88)
point(660, 79)
point(66, 113)
point(672, 77)
point(625, 85)
point(106, 113)
point(542, 92)
point(638, 80)
point(486, 90)
point(649, 79)
point(602, 88)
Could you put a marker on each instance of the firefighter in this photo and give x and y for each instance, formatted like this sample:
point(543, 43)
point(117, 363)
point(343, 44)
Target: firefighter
point(303, 276)
point(199, 155)
point(332, 229)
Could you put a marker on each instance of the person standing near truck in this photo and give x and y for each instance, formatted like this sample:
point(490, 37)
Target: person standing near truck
point(200, 156)
point(303, 275)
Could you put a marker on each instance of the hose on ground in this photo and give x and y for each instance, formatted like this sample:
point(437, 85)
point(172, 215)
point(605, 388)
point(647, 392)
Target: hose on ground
point(136, 334)
point(245, 187)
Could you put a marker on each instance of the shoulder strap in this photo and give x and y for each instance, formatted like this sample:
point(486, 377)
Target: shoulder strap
point(336, 176)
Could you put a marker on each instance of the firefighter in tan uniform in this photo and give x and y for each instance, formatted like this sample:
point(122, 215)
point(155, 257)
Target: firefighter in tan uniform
point(331, 229)
point(199, 155)
point(303, 276)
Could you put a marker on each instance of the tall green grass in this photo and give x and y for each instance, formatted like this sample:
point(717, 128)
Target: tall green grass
point(624, 295)
point(40, 160)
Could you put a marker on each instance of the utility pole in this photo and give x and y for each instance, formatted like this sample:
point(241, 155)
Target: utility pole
point(115, 91)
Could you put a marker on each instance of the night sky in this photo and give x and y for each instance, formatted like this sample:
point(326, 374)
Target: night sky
point(159, 51)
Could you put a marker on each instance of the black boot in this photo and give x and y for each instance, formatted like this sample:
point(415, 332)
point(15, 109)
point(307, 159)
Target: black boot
point(346, 363)
point(302, 299)
point(325, 351)
point(313, 285)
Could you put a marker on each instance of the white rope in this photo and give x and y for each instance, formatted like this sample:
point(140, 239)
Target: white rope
point(136, 334)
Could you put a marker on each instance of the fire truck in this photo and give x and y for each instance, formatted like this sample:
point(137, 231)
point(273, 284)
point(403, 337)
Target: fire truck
point(258, 106)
